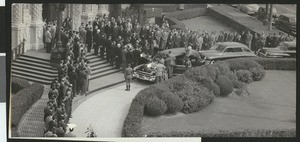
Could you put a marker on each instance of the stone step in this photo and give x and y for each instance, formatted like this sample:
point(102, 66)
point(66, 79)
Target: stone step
point(103, 69)
point(36, 72)
point(53, 71)
point(104, 74)
point(30, 56)
point(106, 81)
point(99, 67)
point(98, 63)
point(96, 60)
point(33, 76)
point(46, 66)
point(33, 59)
point(46, 82)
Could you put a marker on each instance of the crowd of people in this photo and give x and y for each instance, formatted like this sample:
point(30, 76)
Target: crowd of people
point(121, 41)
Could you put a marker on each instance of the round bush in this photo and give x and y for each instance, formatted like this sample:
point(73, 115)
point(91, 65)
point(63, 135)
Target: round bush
point(244, 76)
point(174, 103)
point(257, 73)
point(155, 107)
point(225, 85)
point(195, 100)
point(212, 71)
point(209, 84)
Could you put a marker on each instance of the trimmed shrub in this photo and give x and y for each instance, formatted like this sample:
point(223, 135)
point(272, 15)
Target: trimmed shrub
point(209, 84)
point(275, 63)
point(18, 84)
point(195, 72)
point(257, 73)
point(174, 103)
point(177, 83)
point(227, 133)
point(223, 68)
point(195, 100)
point(244, 76)
point(242, 64)
point(133, 120)
point(212, 71)
point(23, 100)
point(155, 107)
point(225, 85)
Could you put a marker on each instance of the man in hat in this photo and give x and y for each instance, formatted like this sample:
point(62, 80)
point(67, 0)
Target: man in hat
point(159, 70)
point(128, 76)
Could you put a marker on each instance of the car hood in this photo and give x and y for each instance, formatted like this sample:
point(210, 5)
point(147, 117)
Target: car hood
point(148, 67)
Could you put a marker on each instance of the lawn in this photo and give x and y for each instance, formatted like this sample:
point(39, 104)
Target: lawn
point(270, 105)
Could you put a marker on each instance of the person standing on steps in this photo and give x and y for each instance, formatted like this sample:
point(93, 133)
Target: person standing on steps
point(128, 76)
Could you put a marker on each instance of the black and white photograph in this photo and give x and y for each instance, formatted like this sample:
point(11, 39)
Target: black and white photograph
point(96, 71)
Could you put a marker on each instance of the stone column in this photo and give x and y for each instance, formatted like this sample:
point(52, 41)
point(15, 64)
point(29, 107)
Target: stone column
point(76, 16)
point(36, 27)
point(87, 14)
point(18, 28)
point(102, 9)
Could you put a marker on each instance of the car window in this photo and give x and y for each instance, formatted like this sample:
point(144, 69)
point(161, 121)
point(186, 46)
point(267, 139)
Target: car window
point(228, 50)
point(218, 47)
point(246, 50)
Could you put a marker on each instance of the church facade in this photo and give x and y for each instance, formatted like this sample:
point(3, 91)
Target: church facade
point(27, 20)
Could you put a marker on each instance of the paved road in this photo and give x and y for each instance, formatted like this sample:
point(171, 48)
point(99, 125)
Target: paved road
point(285, 9)
point(105, 111)
point(206, 23)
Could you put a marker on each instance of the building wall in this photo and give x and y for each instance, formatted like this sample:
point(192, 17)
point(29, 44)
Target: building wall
point(27, 20)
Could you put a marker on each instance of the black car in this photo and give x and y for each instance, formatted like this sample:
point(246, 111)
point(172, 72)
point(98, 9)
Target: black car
point(287, 23)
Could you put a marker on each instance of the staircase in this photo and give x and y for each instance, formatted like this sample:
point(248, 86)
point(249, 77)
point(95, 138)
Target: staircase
point(35, 69)
point(104, 74)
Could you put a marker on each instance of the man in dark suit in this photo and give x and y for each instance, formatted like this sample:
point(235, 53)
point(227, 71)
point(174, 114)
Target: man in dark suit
point(89, 39)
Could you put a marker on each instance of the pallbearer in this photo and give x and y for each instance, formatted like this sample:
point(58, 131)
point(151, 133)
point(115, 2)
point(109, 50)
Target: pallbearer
point(128, 76)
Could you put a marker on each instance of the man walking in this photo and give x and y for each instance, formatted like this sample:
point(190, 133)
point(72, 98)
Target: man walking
point(128, 76)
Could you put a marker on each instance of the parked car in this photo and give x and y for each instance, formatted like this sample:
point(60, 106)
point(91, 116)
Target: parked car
point(287, 23)
point(250, 9)
point(234, 5)
point(146, 71)
point(261, 14)
point(284, 50)
point(226, 50)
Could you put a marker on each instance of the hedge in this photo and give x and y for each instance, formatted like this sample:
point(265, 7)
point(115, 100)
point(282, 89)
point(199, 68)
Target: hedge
point(23, 100)
point(275, 63)
point(173, 102)
point(196, 88)
point(244, 76)
point(225, 85)
point(18, 84)
point(155, 107)
point(228, 133)
point(257, 74)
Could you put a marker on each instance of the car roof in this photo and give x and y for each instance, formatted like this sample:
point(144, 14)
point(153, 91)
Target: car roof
point(230, 44)
point(289, 15)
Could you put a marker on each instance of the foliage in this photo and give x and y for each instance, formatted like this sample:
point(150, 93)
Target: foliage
point(18, 84)
point(23, 100)
point(174, 103)
point(225, 85)
point(244, 76)
point(155, 107)
point(257, 73)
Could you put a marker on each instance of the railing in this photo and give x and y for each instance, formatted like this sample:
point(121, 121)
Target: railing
point(18, 50)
